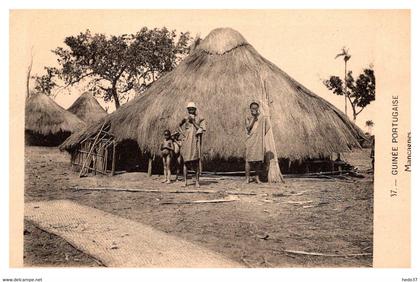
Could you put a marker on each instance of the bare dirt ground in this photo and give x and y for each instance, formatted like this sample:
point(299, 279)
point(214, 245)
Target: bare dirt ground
point(45, 249)
point(312, 215)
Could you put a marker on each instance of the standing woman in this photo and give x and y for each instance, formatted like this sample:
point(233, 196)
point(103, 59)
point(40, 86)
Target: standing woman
point(192, 127)
point(256, 127)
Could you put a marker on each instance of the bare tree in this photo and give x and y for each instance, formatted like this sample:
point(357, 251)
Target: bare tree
point(28, 75)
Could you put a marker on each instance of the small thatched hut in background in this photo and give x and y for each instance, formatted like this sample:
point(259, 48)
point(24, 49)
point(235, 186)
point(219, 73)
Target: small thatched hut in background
point(87, 108)
point(222, 75)
point(47, 123)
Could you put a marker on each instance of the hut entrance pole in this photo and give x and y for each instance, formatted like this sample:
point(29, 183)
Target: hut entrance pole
point(150, 166)
point(113, 158)
point(200, 163)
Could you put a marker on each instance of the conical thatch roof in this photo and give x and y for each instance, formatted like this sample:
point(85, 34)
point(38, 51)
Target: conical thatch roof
point(45, 117)
point(222, 76)
point(87, 108)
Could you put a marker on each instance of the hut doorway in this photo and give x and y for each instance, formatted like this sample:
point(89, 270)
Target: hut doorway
point(129, 157)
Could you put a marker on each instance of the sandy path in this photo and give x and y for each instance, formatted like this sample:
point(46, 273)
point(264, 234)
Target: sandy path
point(116, 241)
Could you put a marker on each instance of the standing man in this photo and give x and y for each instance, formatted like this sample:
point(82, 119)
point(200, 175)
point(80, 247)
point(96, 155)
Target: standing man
point(255, 126)
point(192, 127)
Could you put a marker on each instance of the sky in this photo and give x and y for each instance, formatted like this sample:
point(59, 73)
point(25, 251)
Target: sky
point(303, 43)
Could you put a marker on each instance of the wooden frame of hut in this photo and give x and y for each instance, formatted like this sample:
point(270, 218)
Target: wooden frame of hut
point(47, 123)
point(223, 75)
point(95, 154)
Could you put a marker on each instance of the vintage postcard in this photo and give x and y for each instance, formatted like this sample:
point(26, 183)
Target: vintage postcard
point(210, 138)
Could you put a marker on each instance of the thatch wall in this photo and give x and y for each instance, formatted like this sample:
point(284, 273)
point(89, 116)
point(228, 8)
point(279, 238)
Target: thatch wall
point(46, 121)
point(222, 76)
point(87, 108)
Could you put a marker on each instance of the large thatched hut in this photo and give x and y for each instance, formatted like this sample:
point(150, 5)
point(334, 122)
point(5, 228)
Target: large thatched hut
point(222, 75)
point(87, 108)
point(47, 123)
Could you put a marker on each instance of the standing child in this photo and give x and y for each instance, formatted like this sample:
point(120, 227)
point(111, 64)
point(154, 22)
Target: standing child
point(177, 157)
point(167, 148)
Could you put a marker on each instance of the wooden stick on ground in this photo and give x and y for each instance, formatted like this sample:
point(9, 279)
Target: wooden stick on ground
point(247, 263)
point(299, 202)
point(288, 194)
point(224, 200)
point(325, 255)
point(168, 191)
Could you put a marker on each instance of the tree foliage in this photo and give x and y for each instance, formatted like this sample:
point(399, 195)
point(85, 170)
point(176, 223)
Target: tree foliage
point(360, 92)
point(369, 123)
point(114, 65)
point(45, 83)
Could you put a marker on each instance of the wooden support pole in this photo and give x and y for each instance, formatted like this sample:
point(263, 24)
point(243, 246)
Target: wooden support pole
point(331, 163)
point(72, 157)
point(113, 158)
point(95, 159)
point(200, 163)
point(105, 163)
point(150, 166)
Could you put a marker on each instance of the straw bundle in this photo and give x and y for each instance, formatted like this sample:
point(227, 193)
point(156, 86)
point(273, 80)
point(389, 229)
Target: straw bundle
point(274, 174)
point(222, 76)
